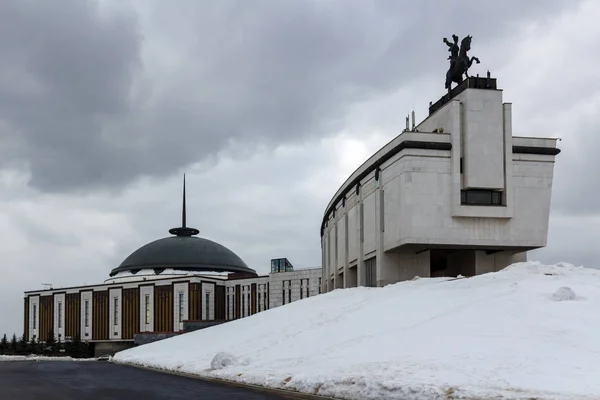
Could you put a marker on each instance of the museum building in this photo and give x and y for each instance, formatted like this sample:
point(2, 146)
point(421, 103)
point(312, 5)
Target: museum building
point(171, 285)
point(457, 194)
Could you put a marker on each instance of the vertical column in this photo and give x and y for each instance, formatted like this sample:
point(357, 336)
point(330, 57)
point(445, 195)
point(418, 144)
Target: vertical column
point(360, 267)
point(115, 313)
point(146, 308)
point(180, 305)
point(508, 158)
point(59, 317)
point(34, 317)
point(208, 302)
point(86, 315)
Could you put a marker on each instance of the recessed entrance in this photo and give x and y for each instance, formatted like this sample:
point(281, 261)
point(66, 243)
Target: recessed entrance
point(451, 263)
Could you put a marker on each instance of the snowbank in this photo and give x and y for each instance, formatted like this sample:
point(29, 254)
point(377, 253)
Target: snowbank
point(514, 334)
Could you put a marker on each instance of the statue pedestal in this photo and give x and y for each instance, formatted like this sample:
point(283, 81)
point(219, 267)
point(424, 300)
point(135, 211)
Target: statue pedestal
point(473, 82)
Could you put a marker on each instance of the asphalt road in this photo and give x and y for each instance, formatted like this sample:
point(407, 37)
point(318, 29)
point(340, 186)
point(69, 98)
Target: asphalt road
point(93, 380)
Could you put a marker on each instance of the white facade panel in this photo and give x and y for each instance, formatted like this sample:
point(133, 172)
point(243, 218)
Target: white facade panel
point(146, 308)
point(483, 138)
point(208, 302)
point(59, 317)
point(34, 317)
point(86, 315)
point(115, 313)
point(180, 305)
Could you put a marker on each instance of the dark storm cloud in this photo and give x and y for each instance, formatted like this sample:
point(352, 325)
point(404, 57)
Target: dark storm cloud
point(67, 71)
point(252, 72)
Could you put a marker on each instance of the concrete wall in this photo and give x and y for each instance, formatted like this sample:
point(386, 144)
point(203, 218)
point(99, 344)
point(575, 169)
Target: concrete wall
point(110, 348)
point(294, 280)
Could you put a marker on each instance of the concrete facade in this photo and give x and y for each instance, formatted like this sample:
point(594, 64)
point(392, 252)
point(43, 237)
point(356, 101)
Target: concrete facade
point(458, 195)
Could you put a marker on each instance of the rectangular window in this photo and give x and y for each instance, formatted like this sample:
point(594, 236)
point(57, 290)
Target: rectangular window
point(147, 308)
point(370, 272)
point(382, 210)
point(35, 316)
point(207, 305)
point(266, 306)
point(320, 288)
point(227, 312)
point(481, 197)
point(116, 311)
point(243, 303)
point(362, 222)
point(86, 317)
point(181, 316)
point(60, 313)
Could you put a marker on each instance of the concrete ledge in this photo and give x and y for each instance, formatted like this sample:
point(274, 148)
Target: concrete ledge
point(288, 394)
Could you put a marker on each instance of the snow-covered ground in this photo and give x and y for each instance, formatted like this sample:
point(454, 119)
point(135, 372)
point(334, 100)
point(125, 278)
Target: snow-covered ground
point(530, 331)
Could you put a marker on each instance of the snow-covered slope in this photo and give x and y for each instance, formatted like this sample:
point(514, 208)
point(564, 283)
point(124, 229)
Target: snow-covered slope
point(518, 333)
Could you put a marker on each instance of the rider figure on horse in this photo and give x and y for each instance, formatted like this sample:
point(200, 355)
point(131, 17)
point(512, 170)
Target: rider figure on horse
point(453, 48)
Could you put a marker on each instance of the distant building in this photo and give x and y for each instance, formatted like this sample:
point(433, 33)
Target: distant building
point(281, 265)
point(457, 194)
point(170, 285)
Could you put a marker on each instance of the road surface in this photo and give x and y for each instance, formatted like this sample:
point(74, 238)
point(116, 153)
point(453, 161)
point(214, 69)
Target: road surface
point(94, 380)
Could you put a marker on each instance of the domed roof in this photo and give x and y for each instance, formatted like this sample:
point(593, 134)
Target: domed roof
point(183, 253)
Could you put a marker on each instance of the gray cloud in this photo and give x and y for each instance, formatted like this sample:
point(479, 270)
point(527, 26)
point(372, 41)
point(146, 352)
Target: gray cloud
point(185, 86)
point(84, 109)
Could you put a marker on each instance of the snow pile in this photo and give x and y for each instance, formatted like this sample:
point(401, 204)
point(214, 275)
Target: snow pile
point(564, 294)
point(499, 335)
point(224, 359)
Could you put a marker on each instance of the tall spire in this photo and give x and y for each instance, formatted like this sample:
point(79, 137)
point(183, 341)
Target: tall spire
point(183, 208)
point(183, 230)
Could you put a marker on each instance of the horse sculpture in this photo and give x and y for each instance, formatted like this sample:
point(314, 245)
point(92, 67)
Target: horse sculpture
point(461, 64)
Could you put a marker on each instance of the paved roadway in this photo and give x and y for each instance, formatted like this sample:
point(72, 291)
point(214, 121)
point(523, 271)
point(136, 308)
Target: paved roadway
point(94, 380)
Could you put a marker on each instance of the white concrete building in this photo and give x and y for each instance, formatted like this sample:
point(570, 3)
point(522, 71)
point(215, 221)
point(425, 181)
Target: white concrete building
point(457, 195)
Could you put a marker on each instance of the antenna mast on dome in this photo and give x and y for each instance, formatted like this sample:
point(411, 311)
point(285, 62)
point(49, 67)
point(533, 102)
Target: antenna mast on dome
point(183, 208)
point(183, 230)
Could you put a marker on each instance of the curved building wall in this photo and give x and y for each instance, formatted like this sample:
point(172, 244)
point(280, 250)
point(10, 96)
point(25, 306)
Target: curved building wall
point(419, 206)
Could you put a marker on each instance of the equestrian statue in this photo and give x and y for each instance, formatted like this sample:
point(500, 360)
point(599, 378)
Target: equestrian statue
point(459, 60)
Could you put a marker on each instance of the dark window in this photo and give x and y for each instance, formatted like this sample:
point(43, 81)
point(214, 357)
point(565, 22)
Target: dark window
point(481, 197)
point(370, 272)
point(265, 305)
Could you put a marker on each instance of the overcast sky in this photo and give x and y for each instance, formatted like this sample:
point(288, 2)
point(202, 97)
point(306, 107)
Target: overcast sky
point(267, 106)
